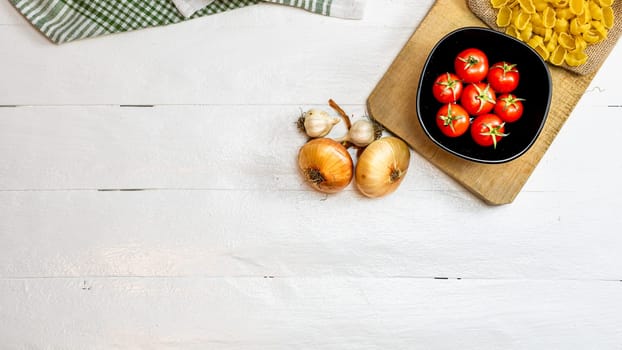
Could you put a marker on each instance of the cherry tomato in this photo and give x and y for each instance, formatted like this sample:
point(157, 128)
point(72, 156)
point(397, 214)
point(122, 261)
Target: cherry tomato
point(503, 77)
point(447, 88)
point(471, 65)
point(452, 119)
point(509, 108)
point(478, 98)
point(487, 130)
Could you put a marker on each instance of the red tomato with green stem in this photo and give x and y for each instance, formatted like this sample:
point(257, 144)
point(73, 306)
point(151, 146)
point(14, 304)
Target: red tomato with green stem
point(478, 99)
point(503, 77)
point(487, 130)
point(447, 88)
point(471, 65)
point(509, 108)
point(453, 120)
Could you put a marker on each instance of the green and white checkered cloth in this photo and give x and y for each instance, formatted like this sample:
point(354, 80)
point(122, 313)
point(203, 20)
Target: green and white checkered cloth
point(68, 20)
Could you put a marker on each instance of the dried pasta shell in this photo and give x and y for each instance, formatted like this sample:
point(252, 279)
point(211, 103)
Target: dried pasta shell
point(535, 41)
point(558, 30)
point(608, 17)
point(522, 20)
point(563, 13)
point(576, 58)
point(536, 20)
point(542, 51)
point(504, 17)
point(540, 5)
point(526, 33)
point(591, 36)
point(599, 27)
point(547, 34)
point(540, 30)
point(512, 31)
point(576, 6)
point(596, 11)
point(575, 28)
point(566, 41)
point(549, 17)
point(527, 6)
point(558, 56)
point(552, 44)
point(580, 43)
point(561, 25)
point(585, 16)
point(497, 4)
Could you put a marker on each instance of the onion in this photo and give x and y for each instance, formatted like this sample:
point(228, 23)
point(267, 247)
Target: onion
point(326, 165)
point(382, 166)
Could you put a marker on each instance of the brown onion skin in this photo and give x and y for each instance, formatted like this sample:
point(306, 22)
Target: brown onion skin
point(328, 159)
point(382, 166)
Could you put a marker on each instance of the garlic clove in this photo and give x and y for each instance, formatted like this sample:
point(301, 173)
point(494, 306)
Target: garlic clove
point(362, 133)
point(317, 123)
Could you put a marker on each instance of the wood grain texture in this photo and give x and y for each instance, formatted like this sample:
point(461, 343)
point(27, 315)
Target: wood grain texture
point(274, 69)
point(300, 233)
point(393, 103)
point(308, 313)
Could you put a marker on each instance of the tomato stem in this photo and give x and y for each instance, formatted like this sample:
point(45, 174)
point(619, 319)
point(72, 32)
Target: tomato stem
point(450, 118)
point(470, 61)
point(506, 68)
point(450, 84)
point(483, 96)
point(511, 101)
point(494, 132)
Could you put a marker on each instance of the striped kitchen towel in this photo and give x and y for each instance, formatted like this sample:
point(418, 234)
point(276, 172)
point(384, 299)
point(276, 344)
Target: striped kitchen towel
point(68, 20)
point(339, 8)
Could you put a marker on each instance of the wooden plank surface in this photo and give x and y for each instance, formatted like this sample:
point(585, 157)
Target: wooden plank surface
point(309, 313)
point(185, 225)
point(293, 233)
point(197, 67)
point(393, 103)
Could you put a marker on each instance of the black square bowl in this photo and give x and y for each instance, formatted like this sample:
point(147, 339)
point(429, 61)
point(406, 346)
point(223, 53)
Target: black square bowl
point(534, 86)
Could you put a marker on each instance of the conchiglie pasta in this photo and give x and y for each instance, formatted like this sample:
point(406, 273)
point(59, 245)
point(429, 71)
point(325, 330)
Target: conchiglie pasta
point(498, 3)
point(575, 58)
point(558, 56)
point(576, 6)
point(608, 17)
point(504, 17)
point(558, 30)
point(540, 5)
point(596, 11)
point(527, 6)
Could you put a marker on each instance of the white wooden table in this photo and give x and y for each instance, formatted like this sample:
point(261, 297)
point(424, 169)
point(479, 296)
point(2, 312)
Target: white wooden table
point(149, 199)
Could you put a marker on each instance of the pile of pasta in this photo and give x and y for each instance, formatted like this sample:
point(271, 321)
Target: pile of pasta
point(559, 30)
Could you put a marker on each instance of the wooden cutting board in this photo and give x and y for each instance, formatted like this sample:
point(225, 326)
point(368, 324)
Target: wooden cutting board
point(393, 104)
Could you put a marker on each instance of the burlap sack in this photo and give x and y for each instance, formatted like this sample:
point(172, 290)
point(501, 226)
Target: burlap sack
point(597, 53)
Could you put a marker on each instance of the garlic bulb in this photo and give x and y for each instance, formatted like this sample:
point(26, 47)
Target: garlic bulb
point(362, 133)
point(317, 123)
